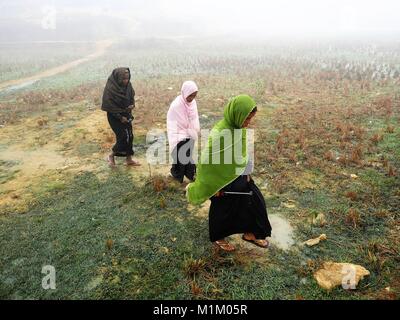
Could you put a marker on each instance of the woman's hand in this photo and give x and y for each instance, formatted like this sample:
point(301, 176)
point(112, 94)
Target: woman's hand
point(124, 120)
point(131, 107)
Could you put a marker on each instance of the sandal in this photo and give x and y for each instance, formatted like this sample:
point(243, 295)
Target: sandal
point(225, 246)
point(262, 243)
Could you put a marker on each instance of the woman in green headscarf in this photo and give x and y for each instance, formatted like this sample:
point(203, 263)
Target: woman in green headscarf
point(223, 176)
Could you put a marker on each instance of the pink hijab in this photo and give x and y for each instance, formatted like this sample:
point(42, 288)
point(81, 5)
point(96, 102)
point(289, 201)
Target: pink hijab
point(183, 118)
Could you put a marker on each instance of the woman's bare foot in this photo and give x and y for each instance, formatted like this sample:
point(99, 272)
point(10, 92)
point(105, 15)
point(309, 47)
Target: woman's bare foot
point(262, 243)
point(131, 162)
point(225, 245)
point(111, 160)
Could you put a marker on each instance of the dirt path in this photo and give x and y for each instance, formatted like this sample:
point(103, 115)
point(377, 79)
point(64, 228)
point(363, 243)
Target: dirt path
point(101, 48)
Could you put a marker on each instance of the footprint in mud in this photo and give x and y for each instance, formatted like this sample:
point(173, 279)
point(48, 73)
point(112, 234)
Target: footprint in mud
point(282, 232)
point(282, 238)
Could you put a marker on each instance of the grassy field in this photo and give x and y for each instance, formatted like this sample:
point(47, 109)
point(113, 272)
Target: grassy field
point(327, 141)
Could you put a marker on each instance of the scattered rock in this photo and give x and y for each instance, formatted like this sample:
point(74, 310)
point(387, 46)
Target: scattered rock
point(353, 176)
point(334, 274)
point(289, 205)
point(319, 220)
point(314, 242)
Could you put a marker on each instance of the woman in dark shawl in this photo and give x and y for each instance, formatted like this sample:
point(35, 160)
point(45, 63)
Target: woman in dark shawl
point(118, 102)
point(223, 176)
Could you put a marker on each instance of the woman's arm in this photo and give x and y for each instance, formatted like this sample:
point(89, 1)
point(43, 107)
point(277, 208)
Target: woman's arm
point(119, 117)
point(116, 115)
point(194, 126)
point(133, 104)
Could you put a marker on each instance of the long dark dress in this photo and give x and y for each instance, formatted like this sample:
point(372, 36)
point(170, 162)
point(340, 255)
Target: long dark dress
point(123, 133)
point(232, 214)
point(116, 99)
point(183, 163)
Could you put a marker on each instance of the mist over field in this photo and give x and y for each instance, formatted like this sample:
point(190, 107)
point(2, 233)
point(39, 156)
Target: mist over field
point(28, 20)
point(325, 76)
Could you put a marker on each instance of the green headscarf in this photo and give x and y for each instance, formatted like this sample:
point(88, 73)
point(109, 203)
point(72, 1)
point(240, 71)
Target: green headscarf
point(226, 144)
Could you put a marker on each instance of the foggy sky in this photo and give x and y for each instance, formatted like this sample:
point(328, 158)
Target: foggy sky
point(87, 20)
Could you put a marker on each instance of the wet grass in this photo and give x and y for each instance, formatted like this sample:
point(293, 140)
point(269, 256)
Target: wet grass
point(115, 241)
point(111, 235)
point(118, 240)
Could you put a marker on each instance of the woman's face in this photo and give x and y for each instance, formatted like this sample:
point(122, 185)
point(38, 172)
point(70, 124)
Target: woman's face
point(191, 97)
point(246, 122)
point(125, 78)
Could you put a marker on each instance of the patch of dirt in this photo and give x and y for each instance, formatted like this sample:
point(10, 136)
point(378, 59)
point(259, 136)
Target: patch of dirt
point(28, 164)
point(31, 163)
point(92, 128)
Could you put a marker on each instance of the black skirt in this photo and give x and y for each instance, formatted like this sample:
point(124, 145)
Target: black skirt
point(232, 214)
point(183, 164)
point(123, 133)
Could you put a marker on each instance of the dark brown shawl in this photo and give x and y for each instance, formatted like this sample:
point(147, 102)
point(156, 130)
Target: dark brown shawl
point(116, 96)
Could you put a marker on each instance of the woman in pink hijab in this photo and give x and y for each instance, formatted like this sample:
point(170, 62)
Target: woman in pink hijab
point(183, 129)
